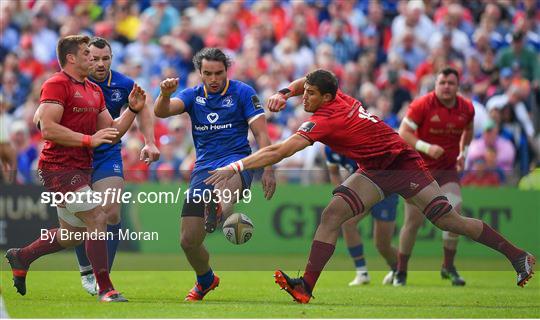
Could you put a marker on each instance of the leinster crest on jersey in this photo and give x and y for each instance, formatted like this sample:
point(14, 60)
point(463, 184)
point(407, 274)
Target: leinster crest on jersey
point(227, 102)
point(116, 95)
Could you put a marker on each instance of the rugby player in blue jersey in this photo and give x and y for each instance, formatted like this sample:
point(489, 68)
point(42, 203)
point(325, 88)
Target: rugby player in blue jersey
point(221, 112)
point(107, 162)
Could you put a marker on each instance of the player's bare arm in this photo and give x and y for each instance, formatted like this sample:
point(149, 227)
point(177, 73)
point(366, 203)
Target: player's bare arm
point(262, 158)
point(277, 101)
point(48, 117)
point(466, 138)
point(149, 152)
point(406, 131)
point(136, 99)
point(260, 132)
point(164, 106)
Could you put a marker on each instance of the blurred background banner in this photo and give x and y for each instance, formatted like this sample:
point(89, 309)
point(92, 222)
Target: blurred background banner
point(287, 223)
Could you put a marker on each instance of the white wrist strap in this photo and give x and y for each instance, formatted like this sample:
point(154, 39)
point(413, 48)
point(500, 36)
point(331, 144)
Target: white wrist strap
point(422, 146)
point(465, 152)
point(237, 166)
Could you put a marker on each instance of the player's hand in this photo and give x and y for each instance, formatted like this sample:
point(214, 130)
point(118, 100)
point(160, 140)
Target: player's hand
point(168, 86)
point(268, 182)
point(137, 98)
point(460, 162)
point(106, 135)
point(276, 102)
point(149, 153)
point(435, 151)
point(219, 175)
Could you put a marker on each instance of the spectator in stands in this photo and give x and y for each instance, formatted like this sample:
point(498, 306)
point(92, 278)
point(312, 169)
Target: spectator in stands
point(414, 18)
point(527, 58)
point(409, 51)
point(201, 15)
point(163, 16)
point(26, 151)
point(490, 139)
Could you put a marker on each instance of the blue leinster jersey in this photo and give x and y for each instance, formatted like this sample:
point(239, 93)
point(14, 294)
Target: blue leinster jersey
point(116, 88)
point(220, 122)
point(335, 158)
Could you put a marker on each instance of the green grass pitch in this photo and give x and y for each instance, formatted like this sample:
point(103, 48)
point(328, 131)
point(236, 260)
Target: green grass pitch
point(253, 294)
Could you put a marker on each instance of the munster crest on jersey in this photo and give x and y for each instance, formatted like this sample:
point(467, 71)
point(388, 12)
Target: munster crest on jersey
point(116, 95)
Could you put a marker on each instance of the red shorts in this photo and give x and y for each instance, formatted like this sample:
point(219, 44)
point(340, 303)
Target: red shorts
point(406, 175)
point(64, 180)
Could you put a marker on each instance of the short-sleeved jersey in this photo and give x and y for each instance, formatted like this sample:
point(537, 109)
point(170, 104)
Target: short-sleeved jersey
point(116, 89)
point(220, 121)
point(334, 158)
point(82, 102)
point(348, 129)
point(440, 125)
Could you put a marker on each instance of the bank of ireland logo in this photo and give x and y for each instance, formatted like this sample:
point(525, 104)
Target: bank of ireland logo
point(116, 95)
point(212, 117)
point(227, 102)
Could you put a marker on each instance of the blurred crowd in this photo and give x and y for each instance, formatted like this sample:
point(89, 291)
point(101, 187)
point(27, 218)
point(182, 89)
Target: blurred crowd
point(385, 53)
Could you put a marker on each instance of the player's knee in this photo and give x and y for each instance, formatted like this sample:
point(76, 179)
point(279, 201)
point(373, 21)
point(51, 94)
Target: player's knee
point(381, 245)
point(349, 225)
point(189, 241)
point(113, 215)
point(351, 198)
point(97, 219)
point(436, 209)
point(333, 217)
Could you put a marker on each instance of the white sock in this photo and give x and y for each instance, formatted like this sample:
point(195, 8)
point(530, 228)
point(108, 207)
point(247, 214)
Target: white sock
point(85, 268)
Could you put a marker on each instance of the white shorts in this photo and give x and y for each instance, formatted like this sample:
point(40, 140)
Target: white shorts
point(68, 213)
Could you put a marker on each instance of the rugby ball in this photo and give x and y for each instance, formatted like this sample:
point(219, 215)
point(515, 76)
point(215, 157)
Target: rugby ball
point(238, 228)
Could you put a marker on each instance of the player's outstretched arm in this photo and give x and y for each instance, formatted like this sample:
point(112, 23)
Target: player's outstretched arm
point(262, 158)
point(164, 106)
point(278, 101)
point(149, 152)
point(260, 132)
point(48, 117)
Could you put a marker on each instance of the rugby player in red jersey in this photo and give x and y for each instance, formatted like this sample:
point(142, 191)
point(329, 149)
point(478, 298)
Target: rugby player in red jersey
point(387, 164)
point(440, 126)
point(73, 119)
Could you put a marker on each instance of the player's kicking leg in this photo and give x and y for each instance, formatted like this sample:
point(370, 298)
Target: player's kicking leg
point(353, 240)
point(438, 210)
point(109, 186)
point(198, 218)
point(345, 204)
point(75, 217)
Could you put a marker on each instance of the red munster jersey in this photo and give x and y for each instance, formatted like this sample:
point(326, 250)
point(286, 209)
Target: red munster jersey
point(82, 102)
point(348, 129)
point(440, 125)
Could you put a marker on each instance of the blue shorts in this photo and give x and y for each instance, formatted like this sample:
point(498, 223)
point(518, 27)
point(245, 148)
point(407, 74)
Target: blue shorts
point(386, 210)
point(196, 198)
point(107, 164)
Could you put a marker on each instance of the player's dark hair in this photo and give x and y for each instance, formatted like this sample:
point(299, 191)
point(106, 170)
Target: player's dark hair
point(69, 45)
point(211, 54)
point(446, 71)
point(100, 43)
point(324, 80)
